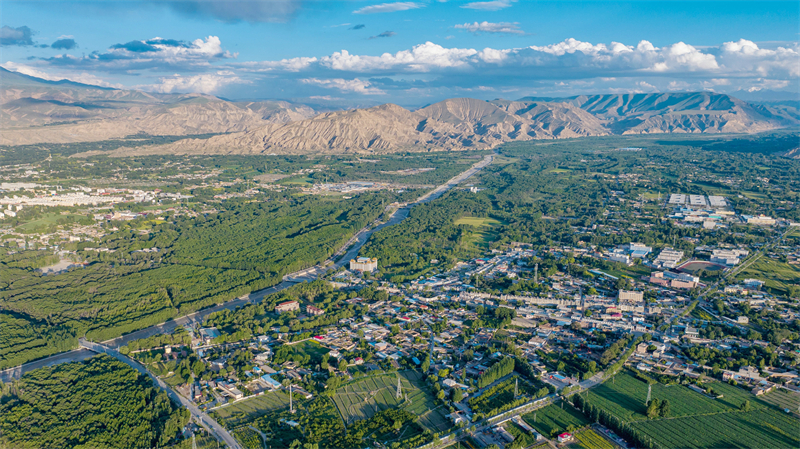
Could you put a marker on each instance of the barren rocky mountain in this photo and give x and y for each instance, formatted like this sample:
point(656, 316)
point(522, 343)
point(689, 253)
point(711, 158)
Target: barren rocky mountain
point(465, 123)
point(690, 112)
point(36, 111)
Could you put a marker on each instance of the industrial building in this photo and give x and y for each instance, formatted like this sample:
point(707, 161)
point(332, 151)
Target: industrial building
point(717, 201)
point(668, 258)
point(698, 201)
point(677, 199)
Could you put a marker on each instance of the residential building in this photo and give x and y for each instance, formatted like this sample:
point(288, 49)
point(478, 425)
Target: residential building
point(315, 311)
point(288, 306)
point(630, 296)
point(364, 264)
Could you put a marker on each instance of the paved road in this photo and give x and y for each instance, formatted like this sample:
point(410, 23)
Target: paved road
point(308, 274)
point(213, 427)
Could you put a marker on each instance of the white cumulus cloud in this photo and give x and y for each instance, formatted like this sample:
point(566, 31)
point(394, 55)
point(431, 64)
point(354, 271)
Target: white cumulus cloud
point(206, 83)
point(354, 85)
point(420, 58)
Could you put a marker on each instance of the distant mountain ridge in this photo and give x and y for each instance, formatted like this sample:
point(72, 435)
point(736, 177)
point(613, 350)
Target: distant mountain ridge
point(466, 123)
point(35, 112)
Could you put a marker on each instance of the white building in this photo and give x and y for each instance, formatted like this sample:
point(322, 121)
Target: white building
point(717, 201)
point(630, 296)
point(677, 199)
point(698, 201)
point(727, 256)
point(364, 264)
point(668, 258)
point(759, 220)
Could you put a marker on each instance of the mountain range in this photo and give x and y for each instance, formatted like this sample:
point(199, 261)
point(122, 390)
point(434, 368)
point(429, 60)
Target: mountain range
point(33, 111)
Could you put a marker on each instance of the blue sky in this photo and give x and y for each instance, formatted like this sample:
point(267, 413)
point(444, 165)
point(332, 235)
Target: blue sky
point(410, 53)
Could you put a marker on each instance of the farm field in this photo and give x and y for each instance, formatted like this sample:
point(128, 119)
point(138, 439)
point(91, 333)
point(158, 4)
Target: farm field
point(366, 397)
point(250, 409)
point(783, 399)
point(762, 428)
point(553, 418)
point(590, 439)
point(698, 421)
point(625, 396)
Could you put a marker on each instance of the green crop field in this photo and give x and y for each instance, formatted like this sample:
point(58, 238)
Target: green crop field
point(252, 408)
point(783, 399)
point(624, 396)
point(592, 440)
point(696, 420)
point(554, 418)
point(365, 397)
point(763, 428)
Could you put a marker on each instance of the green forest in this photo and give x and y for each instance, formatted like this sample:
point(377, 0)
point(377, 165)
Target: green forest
point(201, 261)
point(100, 402)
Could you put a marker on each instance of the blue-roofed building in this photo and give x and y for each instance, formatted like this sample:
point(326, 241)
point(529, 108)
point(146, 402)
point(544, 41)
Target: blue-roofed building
point(415, 360)
point(270, 381)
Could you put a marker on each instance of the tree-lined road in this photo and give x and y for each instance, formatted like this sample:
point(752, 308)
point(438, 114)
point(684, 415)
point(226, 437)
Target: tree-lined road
point(213, 427)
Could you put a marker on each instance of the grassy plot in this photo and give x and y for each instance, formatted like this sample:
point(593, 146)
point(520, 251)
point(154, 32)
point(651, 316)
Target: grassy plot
point(553, 419)
point(484, 229)
point(252, 408)
point(777, 275)
point(48, 222)
point(366, 397)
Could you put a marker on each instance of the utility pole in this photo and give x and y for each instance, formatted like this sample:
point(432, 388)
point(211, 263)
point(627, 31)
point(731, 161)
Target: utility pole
point(649, 389)
point(516, 388)
point(291, 405)
point(536, 273)
point(399, 392)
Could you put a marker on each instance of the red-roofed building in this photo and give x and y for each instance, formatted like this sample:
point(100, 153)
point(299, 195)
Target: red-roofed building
point(287, 306)
point(564, 437)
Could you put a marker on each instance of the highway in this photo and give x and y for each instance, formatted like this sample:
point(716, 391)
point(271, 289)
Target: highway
point(213, 427)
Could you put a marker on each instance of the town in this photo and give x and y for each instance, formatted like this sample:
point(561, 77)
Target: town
point(685, 304)
point(484, 363)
